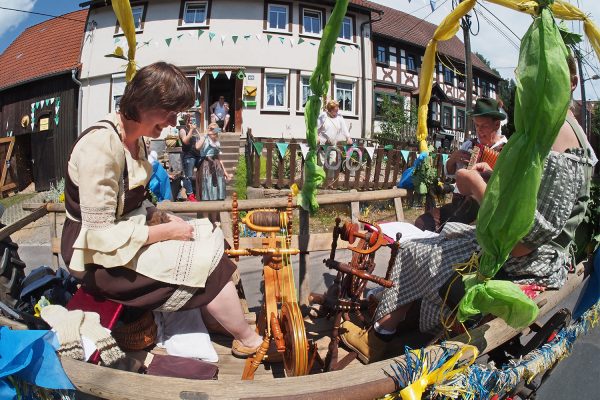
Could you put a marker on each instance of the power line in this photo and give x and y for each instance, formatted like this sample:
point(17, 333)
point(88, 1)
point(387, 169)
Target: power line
point(502, 22)
point(42, 14)
point(593, 87)
point(516, 46)
point(420, 20)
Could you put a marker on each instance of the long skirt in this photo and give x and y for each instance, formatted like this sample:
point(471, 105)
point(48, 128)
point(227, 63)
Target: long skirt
point(213, 179)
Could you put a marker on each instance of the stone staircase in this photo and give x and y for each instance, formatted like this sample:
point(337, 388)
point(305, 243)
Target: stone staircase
point(230, 153)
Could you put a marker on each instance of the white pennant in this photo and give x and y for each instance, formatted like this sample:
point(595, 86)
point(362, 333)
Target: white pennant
point(370, 150)
point(291, 43)
point(304, 149)
point(258, 36)
point(201, 73)
point(190, 34)
point(222, 39)
point(228, 74)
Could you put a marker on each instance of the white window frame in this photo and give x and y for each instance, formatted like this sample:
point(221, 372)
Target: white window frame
point(118, 84)
point(459, 112)
point(185, 9)
point(302, 86)
point(285, 106)
point(343, 109)
point(450, 125)
point(286, 27)
point(351, 38)
point(320, 19)
point(139, 29)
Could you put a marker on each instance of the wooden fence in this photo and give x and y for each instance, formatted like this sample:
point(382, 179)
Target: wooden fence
point(383, 170)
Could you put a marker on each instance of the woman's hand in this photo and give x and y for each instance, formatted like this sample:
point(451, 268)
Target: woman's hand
point(228, 176)
point(179, 230)
point(173, 217)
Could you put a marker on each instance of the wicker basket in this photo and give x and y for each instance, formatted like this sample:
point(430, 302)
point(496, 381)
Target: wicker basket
point(136, 335)
point(171, 141)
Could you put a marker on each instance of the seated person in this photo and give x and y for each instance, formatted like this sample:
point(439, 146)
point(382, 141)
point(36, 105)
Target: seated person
point(423, 266)
point(219, 113)
point(486, 117)
point(109, 241)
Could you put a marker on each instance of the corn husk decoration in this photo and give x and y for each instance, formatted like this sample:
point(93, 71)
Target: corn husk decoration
point(122, 10)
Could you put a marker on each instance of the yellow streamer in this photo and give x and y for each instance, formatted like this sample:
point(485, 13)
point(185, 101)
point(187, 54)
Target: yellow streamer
point(415, 390)
point(122, 10)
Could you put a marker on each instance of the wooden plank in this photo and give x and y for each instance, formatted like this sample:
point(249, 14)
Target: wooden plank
point(10, 142)
point(281, 169)
point(396, 166)
point(355, 211)
point(399, 209)
point(376, 176)
point(269, 169)
point(388, 165)
point(335, 184)
point(367, 179)
point(53, 235)
point(35, 215)
point(255, 156)
point(303, 274)
point(225, 219)
point(293, 152)
point(357, 183)
point(346, 183)
point(55, 245)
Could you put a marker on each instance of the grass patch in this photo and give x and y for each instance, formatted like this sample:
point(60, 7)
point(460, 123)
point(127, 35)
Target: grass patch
point(241, 176)
point(17, 198)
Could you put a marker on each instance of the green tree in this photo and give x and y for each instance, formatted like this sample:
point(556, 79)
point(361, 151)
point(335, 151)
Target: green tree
point(397, 122)
point(507, 90)
point(595, 120)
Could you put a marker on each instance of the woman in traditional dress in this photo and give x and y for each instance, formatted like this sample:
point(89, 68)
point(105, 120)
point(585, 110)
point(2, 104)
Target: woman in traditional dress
point(543, 256)
point(106, 240)
point(212, 170)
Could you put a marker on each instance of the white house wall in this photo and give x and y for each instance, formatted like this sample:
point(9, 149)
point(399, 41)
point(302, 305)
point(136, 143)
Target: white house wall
point(227, 18)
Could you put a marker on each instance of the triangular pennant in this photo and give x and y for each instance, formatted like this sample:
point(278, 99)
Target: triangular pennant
point(282, 39)
point(313, 43)
point(179, 36)
point(223, 40)
point(197, 103)
point(200, 33)
point(228, 74)
point(215, 74)
point(444, 159)
point(258, 146)
point(291, 42)
point(211, 36)
point(51, 100)
point(370, 150)
point(269, 37)
point(32, 107)
point(247, 37)
point(258, 36)
point(117, 40)
point(300, 41)
point(190, 34)
point(282, 147)
point(200, 73)
point(47, 101)
point(405, 154)
point(432, 4)
point(32, 125)
point(304, 148)
point(168, 41)
point(343, 48)
point(56, 120)
point(234, 38)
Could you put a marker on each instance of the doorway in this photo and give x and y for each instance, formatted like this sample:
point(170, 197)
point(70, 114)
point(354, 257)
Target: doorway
point(226, 87)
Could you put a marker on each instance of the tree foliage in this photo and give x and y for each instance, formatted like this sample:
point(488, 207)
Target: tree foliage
point(595, 120)
point(397, 122)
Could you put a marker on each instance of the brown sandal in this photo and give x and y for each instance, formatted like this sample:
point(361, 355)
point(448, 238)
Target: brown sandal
point(241, 351)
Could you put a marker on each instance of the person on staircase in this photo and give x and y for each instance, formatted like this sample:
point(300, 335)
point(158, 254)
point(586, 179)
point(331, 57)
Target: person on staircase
point(219, 113)
point(191, 146)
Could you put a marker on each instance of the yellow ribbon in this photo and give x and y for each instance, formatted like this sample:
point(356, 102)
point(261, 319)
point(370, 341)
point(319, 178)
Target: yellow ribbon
point(445, 372)
point(122, 10)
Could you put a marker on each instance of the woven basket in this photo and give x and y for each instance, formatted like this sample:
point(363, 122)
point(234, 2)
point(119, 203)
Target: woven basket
point(136, 335)
point(171, 141)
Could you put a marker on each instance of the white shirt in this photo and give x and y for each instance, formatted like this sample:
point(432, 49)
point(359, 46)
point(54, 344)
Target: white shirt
point(332, 130)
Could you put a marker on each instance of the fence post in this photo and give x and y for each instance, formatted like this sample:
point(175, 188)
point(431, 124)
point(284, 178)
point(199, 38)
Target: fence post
point(303, 273)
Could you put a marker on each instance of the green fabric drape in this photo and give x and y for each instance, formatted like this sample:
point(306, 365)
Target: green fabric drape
point(314, 175)
point(507, 211)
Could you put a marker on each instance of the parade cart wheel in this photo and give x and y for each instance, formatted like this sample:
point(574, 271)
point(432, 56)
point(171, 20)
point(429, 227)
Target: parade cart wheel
point(295, 358)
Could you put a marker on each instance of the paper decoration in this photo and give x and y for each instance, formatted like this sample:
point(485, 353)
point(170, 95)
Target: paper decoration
point(258, 146)
point(168, 41)
point(300, 41)
point(444, 159)
point(179, 36)
point(432, 4)
point(234, 38)
point(215, 74)
point(313, 43)
point(282, 39)
point(258, 36)
point(200, 73)
point(282, 147)
point(304, 149)
point(223, 40)
point(291, 42)
point(405, 154)
point(200, 33)
point(269, 37)
point(51, 100)
point(47, 101)
point(343, 48)
point(370, 150)
point(211, 36)
point(56, 119)
point(247, 37)
point(228, 74)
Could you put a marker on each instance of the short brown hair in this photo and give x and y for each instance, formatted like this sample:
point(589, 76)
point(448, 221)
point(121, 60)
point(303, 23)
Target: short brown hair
point(331, 104)
point(157, 86)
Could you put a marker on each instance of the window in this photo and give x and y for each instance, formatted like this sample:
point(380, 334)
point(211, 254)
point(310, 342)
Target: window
point(382, 55)
point(380, 98)
point(475, 84)
point(448, 76)
point(275, 91)
point(195, 13)
point(447, 117)
point(312, 21)
point(139, 14)
point(116, 91)
point(460, 120)
point(346, 31)
point(278, 17)
point(460, 81)
point(485, 86)
point(344, 94)
point(305, 90)
point(411, 63)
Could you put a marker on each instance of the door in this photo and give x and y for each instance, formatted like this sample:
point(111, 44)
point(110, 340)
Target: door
point(226, 87)
point(42, 158)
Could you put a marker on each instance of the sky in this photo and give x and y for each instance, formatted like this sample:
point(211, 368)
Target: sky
point(500, 48)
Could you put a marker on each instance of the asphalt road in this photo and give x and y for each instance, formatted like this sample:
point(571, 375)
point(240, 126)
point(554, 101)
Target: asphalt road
point(577, 377)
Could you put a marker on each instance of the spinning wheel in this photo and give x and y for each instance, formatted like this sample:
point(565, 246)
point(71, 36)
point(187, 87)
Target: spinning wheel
point(280, 320)
point(345, 296)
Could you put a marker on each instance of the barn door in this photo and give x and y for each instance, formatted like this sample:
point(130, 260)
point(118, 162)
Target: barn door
point(7, 178)
point(42, 158)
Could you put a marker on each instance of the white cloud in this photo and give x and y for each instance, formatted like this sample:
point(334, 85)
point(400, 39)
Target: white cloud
point(11, 19)
point(492, 44)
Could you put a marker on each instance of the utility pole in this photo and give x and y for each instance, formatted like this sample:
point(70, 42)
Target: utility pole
point(466, 27)
point(583, 99)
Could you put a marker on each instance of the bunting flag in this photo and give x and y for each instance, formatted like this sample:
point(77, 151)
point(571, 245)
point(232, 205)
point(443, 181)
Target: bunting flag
point(200, 32)
point(211, 35)
point(247, 37)
point(190, 34)
point(228, 74)
point(215, 74)
point(291, 42)
point(405, 154)
point(304, 149)
point(300, 41)
point(168, 41)
point(370, 150)
point(234, 38)
point(179, 36)
point(444, 159)
point(223, 40)
point(343, 48)
point(47, 101)
point(282, 147)
point(258, 36)
point(199, 74)
point(269, 37)
point(281, 39)
point(51, 100)
point(259, 147)
point(432, 4)
point(117, 40)
point(313, 43)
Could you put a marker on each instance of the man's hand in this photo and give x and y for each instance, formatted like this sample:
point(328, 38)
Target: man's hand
point(471, 183)
point(458, 156)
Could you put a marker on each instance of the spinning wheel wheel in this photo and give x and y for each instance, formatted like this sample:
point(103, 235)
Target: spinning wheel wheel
point(295, 358)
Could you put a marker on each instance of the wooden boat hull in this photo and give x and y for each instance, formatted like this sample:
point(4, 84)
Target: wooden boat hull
point(364, 382)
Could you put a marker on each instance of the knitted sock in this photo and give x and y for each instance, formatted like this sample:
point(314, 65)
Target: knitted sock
point(66, 324)
point(110, 352)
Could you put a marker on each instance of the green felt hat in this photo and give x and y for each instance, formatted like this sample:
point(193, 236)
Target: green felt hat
point(487, 108)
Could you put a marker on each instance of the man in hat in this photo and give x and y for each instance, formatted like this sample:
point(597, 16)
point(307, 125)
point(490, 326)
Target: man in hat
point(487, 119)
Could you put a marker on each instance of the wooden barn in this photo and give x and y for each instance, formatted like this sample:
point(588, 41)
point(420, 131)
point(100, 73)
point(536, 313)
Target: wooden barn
point(39, 100)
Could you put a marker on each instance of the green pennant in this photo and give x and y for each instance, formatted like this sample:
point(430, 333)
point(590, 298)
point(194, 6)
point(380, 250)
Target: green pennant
point(179, 36)
point(343, 48)
point(211, 35)
point(282, 39)
point(282, 147)
point(215, 74)
point(300, 41)
point(259, 147)
point(234, 38)
point(269, 37)
point(200, 32)
point(168, 41)
point(247, 37)
point(313, 43)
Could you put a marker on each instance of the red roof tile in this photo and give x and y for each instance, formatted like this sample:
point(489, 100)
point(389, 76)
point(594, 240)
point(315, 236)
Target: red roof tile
point(50, 47)
point(404, 27)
